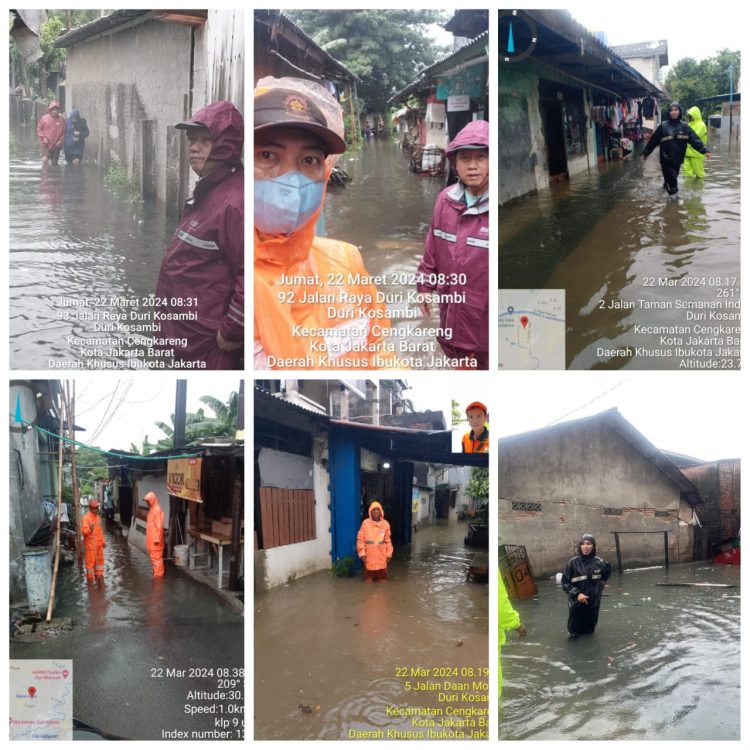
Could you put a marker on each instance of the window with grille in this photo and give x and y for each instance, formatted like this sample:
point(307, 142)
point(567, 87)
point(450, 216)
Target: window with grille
point(613, 511)
point(533, 507)
point(663, 513)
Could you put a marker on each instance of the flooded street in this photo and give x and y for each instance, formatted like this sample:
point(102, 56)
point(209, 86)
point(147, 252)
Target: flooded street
point(73, 242)
point(128, 634)
point(664, 663)
point(351, 650)
point(651, 282)
point(386, 211)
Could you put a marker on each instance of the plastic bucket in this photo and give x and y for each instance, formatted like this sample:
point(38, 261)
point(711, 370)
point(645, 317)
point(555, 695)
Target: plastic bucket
point(38, 569)
point(181, 555)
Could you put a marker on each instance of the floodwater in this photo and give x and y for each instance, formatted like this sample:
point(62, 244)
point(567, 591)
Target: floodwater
point(628, 257)
point(129, 633)
point(77, 253)
point(663, 664)
point(348, 648)
point(386, 210)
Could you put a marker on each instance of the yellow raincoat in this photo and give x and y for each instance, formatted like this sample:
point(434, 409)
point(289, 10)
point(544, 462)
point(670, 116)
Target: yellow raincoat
point(693, 159)
point(507, 619)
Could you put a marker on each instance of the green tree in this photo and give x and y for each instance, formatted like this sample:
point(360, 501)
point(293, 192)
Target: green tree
point(456, 416)
point(90, 465)
point(478, 488)
point(57, 23)
point(385, 48)
point(200, 425)
point(689, 80)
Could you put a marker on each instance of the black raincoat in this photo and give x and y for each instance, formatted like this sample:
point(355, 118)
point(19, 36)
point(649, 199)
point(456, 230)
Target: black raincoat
point(584, 574)
point(672, 137)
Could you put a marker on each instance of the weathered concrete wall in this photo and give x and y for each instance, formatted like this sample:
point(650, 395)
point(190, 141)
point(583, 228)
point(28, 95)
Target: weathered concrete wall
point(133, 87)
point(719, 485)
point(276, 566)
point(522, 148)
point(522, 160)
point(28, 488)
point(648, 67)
point(575, 473)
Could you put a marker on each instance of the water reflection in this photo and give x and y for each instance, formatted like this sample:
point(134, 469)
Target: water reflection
point(663, 664)
point(386, 211)
point(73, 240)
point(621, 249)
point(344, 641)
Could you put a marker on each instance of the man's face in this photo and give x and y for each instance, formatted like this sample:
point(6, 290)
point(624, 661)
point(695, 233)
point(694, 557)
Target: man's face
point(284, 149)
point(476, 418)
point(586, 546)
point(674, 112)
point(376, 514)
point(199, 149)
point(55, 111)
point(473, 168)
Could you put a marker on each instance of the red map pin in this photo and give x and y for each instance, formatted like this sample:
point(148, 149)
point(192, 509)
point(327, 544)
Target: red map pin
point(524, 321)
point(32, 691)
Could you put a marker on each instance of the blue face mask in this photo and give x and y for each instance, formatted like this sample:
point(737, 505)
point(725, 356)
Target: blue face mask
point(286, 203)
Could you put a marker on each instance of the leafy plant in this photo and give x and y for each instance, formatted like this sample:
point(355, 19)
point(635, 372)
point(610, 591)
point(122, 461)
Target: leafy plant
point(343, 567)
point(118, 179)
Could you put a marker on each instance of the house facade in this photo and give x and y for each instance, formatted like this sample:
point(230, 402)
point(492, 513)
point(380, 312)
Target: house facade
point(596, 475)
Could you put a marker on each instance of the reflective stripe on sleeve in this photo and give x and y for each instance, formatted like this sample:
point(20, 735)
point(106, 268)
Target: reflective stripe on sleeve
point(444, 235)
point(474, 242)
point(578, 578)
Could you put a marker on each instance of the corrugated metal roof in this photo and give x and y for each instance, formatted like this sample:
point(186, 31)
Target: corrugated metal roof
point(279, 16)
point(118, 19)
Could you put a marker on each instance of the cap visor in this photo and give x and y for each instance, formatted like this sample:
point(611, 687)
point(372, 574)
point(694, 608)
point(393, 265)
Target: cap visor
point(333, 142)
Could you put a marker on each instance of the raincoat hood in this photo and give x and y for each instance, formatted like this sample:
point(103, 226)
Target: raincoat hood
point(591, 539)
point(375, 504)
point(694, 113)
point(150, 498)
point(476, 135)
point(678, 105)
point(75, 114)
point(226, 125)
point(53, 103)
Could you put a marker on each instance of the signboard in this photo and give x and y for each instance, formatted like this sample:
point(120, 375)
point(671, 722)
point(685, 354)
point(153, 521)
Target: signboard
point(459, 103)
point(184, 478)
point(415, 497)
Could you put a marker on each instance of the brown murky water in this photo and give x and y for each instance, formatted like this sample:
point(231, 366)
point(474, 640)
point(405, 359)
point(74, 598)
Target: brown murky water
point(386, 211)
point(663, 664)
point(335, 656)
point(77, 253)
point(130, 633)
point(631, 259)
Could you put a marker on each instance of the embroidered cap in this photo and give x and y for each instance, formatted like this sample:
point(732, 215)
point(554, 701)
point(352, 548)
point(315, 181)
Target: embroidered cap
point(277, 107)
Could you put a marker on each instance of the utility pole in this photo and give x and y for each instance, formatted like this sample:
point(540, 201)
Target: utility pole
point(70, 407)
point(730, 72)
point(180, 407)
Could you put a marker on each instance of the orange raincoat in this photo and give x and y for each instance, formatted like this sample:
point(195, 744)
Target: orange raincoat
point(374, 540)
point(93, 541)
point(316, 307)
point(155, 534)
